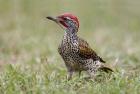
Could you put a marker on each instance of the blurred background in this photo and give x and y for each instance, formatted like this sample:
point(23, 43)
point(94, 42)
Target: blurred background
point(111, 27)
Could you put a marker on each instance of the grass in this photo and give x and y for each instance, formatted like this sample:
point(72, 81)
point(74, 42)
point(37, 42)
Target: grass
point(30, 63)
point(45, 79)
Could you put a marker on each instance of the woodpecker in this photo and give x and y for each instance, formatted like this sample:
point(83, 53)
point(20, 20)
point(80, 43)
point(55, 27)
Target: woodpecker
point(76, 52)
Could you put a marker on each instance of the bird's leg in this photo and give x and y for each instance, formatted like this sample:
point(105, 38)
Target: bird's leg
point(70, 73)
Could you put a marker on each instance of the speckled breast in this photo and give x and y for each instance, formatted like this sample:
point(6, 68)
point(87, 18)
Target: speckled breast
point(69, 53)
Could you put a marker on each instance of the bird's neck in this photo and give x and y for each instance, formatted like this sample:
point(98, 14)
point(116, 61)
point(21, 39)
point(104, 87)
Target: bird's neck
point(71, 35)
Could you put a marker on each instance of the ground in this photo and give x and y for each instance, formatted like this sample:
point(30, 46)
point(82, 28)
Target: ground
point(30, 63)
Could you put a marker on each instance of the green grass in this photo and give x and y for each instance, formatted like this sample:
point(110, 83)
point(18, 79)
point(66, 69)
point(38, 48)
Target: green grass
point(43, 79)
point(30, 63)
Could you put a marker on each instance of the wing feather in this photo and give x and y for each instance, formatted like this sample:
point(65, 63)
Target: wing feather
point(85, 51)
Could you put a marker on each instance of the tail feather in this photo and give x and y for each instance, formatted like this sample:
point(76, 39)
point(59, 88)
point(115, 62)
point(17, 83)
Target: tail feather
point(106, 69)
point(102, 60)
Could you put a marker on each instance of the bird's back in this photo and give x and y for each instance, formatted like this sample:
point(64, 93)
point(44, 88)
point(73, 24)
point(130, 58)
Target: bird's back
point(85, 51)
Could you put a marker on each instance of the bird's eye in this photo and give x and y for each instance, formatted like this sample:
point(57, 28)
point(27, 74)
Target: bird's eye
point(65, 18)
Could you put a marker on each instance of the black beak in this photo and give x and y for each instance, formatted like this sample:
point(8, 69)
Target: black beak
point(52, 18)
point(55, 19)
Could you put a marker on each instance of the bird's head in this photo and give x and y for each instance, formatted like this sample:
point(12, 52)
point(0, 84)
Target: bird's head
point(66, 20)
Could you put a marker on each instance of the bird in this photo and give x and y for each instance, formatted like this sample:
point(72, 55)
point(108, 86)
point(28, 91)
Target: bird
point(76, 53)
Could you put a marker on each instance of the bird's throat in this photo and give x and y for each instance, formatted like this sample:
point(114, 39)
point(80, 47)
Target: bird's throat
point(70, 36)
